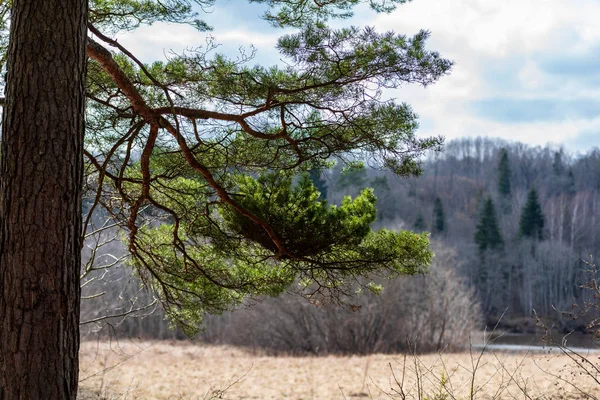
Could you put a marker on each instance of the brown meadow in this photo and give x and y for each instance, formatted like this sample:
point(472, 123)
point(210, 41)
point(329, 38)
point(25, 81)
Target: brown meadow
point(187, 370)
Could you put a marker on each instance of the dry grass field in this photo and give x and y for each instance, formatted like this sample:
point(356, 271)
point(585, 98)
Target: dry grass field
point(185, 370)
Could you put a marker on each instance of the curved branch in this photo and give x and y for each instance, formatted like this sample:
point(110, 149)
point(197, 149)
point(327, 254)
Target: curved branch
point(194, 113)
point(106, 61)
point(105, 58)
point(141, 65)
point(145, 166)
point(103, 172)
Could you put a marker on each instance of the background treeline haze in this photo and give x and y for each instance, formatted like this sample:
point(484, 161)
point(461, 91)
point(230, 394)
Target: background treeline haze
point(510, 225)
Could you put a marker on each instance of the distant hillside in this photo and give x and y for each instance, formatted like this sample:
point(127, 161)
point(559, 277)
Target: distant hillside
point(526, 272)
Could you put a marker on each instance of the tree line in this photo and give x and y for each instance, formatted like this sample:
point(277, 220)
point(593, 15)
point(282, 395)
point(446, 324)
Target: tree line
point(521, 217)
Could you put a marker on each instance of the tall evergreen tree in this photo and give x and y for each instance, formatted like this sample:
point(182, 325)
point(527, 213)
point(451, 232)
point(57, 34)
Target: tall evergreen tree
point(488, 235)
point(354, 177)
point(382, 189)
point(40, 206)
point(380, 184)
point(570, 185)
point(146, 146)
point(419, 224)
point(531, 223)
point(504, 173)
point(557, 165)
point(316, 176)
point(439, 218)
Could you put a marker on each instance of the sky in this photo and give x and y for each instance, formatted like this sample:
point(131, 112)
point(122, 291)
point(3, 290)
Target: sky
point(525, 70)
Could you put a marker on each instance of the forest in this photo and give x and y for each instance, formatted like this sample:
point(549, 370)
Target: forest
point(522, 219)
point(512, 228)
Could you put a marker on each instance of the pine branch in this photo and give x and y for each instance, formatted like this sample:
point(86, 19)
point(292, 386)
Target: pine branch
point(139, 105)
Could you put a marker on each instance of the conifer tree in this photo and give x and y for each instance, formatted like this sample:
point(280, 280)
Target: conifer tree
point(570, 182)
point(504, 185)
point(419, 224)
point(557, 164)
point(531, 223)
point(380, 184)
point(382, 189)
point(488, 235)
point(439, 218)
point(353, 177)
point(316, 176)
point(212, 144)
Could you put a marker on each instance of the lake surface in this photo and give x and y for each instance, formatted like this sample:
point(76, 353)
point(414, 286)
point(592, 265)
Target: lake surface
point(521, 342)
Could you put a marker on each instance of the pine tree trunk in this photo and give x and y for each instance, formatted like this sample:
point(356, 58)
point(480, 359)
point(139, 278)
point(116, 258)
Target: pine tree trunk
point(40, 214)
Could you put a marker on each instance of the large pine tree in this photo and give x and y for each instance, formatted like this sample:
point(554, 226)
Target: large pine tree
point(487, 234)
point(40, 218)
point(531, 224)
point(194, 137)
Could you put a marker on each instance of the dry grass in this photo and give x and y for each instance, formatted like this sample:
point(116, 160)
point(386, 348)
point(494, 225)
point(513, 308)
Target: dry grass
point(184, 370)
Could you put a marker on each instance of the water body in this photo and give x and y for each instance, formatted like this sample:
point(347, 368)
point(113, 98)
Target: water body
point(520, 342)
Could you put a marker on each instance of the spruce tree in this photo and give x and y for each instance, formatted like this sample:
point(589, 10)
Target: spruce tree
point(570, 186)
point(488, 235)
point(419, 224)
point(439, 218)
point(380, 184)
point(504, 186)
point(531, 223)
point(353, 177)
point(557, 164)
point(382, 188)
point(316, 176)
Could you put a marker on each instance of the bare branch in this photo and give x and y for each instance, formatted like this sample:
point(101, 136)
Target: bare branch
point(123, 314)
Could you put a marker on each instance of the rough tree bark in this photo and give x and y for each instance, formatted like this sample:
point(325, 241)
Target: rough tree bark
point(40, 215)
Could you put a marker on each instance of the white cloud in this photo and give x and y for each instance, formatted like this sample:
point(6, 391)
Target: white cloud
point(498, 28)
point(456, 121)
point(506, 37)
point(532, 77)
point(150, 43)
point(499, 48)
point(245, 38)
